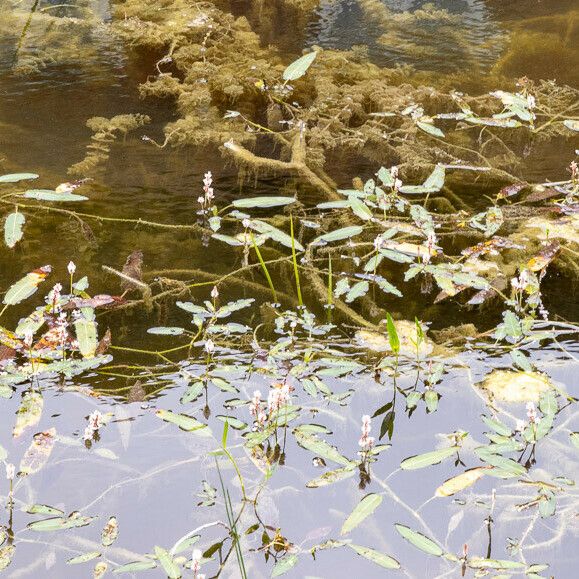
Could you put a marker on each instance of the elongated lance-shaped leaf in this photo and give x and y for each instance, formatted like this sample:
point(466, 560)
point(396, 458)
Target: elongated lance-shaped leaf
point(26, 286)
point(263, 201)
point(392, 334)
point(15, 177)
point(171, 568)
point(184, 422)
point(13, 231)
point(299, 67)
point(284, 565)
point(419, 540)
point(363, 509)
point(375, 556)
point(428, 458)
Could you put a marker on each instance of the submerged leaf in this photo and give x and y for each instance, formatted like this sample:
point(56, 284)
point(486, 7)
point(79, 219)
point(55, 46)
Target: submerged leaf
point(284, 565)
point(299, 67)
point(29, 412)
point(38, 452)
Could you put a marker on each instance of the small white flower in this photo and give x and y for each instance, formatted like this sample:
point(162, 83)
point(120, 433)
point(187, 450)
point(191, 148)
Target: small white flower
point(95, 420)
point(209, 346)
point(71, 267)
point(214, 292)
point(88, 433)
point(28, 337)
point(246, 223)
point(196, 563)
point(10, 471)
point(531, 412)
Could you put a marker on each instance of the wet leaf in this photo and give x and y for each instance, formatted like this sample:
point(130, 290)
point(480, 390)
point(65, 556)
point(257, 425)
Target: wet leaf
point(419, 540)
point(83, 558)
point(263, 202)
point(363, 509)
point(393, 338)
point(460, 482)
point(299, 67)
point(184, 422)
point(29, 412)
point(110, 532)
point(284, 565)
point(331, 477)
point(26, 287)
point(13, 228)
point(171, 568)
point(185, 544)
point(375, 556)
point(99, 570)
point(135, 566)
point(59, 523)
point(15, 177)
point(320, 447)
point(166, 331)
point(569, 123)
point(38, 452)
point(6, 554)
point(479, 563)
point(86, 335)
point(43, 510)
point(50, 195)
point(339, 234)
point(428, 458)
point(430, 129)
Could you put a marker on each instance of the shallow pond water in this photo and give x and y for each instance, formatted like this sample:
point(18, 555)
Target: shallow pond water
point(147, 472)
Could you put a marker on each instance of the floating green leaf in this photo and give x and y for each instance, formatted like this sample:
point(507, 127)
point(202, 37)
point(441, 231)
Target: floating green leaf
point(184, 422)
point(331, 477)
point(50, 195)
point(86, 335)
point(166, 331)
point(135, 566)
point(320, 447)
point(83, 558)
point(419, 540)
point(375, 556)
point(171, 568)
point(15, 177)
point(339, 234)
point(284, 565)
point(13, 228)
point(363, 509)
point(428, 458)
point(26, 286)
point(263, 202)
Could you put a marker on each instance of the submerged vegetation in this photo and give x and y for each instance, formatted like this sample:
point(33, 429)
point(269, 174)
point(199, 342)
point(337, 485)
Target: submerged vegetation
point(338, 336)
